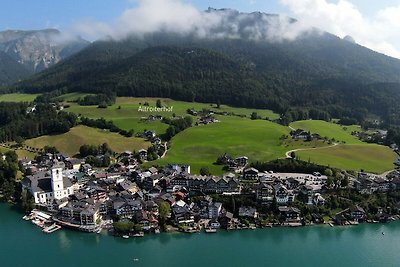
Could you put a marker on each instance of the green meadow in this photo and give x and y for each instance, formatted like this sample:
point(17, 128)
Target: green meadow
point(70, 142)
point(200, 146)
point(72, 97)
point(331, 130)
point(18, 97)
point(126, 115)
point(368, 157)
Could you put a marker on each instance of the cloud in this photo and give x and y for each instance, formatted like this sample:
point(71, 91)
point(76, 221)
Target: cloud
point(379, 32)
point(178, 16)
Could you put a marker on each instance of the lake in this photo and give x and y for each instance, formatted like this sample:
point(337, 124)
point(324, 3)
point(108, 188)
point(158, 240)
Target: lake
point(23, 244)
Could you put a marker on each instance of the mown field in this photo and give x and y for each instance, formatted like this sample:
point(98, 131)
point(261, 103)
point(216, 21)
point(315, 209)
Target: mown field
point(18, 97)
point(200, 146)
point(369, 157)
point(70, 142)
point(126, 115)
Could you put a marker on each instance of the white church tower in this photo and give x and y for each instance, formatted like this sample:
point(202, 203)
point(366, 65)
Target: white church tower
point(57, 182)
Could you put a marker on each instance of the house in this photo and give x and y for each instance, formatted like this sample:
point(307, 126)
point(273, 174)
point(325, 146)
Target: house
point(357, 213)
point(142, 153)
point(73, 164)
point(289, 214)
point(214, 210)
point(282, 195)
point(241, 161)
point(250, 174)
point(86, 168)
point(149, 134)
point(81, 213)
point(181, 213)
point(172, 169)
point(226, 220)
point(300, 134)
point(126, 208)
point(318, 200)
point(128, 186)
point(340, 218)
point(382, 184)
point(249, 212)
point(317, 218)
point(265, 193)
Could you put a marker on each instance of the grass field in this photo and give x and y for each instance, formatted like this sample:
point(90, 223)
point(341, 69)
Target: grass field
point(72, 97)
point(369, 157)
point(201, 145)
point(20, 152)
point(330, 130)
point(18, 97)
point(129, 117)
point(70, 142)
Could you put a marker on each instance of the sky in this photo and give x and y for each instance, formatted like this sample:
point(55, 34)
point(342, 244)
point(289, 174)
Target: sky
point(372, 23)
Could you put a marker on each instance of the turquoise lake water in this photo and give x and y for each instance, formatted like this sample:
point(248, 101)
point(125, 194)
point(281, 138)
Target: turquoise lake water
point(23, 244)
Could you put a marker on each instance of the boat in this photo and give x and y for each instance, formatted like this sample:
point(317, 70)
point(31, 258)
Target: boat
point(210, 230)
point(331, 224)
point(140, 234)
point(135, 259)
point(383, 233)
point(52, 228)
point(125, 236)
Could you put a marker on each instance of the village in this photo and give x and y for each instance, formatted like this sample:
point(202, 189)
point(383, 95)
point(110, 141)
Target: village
point(130, 201)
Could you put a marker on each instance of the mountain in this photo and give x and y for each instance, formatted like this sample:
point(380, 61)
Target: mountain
point(10, 70)
point(314, 75)
point(36, 50)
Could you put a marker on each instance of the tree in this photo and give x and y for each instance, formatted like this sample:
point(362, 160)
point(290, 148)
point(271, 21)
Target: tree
point(204, 171)
point(292, 155)
point(50, 149)
point(123, 226)
point(344, 182)
point(164, 209)
point(158, 103)
point(8, 190)
point(253, 115)
point(27, 202)
point(328, 172)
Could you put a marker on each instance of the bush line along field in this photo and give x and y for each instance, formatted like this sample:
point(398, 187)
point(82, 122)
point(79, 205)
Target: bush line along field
point(200, 146)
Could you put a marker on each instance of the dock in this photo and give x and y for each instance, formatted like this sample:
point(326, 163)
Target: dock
point(51, 229)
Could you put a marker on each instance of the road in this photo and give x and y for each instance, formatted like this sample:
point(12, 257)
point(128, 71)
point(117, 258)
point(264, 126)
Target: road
point(287, 154)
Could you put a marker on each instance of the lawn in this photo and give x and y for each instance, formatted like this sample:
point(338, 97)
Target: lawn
point(201, 145)
point(70, 142)
point(330, 130)
point(126, 115)
point(18, 97)
point(369, 157)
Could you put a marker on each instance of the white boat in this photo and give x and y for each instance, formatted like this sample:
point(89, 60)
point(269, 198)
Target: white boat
point(210, 230)
point(125, 236)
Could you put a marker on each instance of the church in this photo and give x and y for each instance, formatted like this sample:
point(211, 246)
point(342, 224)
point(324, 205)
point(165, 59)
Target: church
point(50, 187)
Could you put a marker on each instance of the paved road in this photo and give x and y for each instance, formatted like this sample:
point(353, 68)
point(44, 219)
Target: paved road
point(287, 154)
